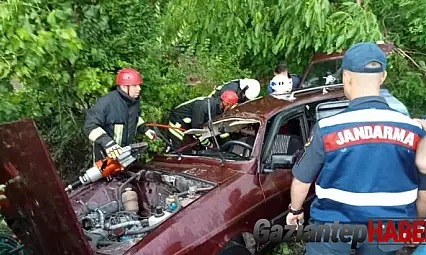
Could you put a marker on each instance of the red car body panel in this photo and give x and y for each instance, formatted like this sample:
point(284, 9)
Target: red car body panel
point(42, 215)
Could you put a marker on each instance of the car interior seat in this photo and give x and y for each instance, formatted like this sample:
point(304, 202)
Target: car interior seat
point(285, 144)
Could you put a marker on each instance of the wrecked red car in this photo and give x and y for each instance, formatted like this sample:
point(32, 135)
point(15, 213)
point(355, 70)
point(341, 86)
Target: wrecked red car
point(198, 202)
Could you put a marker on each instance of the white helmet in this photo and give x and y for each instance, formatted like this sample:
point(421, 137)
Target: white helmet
point(253, 89)
point(281, 84)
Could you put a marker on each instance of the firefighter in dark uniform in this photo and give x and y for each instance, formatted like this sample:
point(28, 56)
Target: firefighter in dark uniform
point(362, 160)
point(115, 119)
point(193, 114)
point(246, 89)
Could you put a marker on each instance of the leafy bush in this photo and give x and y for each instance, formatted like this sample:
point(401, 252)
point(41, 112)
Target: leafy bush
point(61, 57)
point(57, 57)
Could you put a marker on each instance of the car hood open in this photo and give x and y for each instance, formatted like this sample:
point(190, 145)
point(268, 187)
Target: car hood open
point(43, 216)
point(37, 208)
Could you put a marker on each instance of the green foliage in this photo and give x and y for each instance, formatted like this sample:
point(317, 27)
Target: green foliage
point(290, 248)
point(402, 22)
point(407, 84)
point(58, 57)
point(38, 48)
point(61, 56)
point(265, 31)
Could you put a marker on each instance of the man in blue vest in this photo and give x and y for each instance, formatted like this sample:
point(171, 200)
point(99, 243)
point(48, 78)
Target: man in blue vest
point(362, 159)
point(392, 101)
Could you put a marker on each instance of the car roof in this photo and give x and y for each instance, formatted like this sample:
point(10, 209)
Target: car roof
point(267, 106)
point(319, 57)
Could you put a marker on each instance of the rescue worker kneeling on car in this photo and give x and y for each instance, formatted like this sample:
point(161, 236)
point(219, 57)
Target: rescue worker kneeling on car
point(246, 89)
point(193, 114)
point(115, 119)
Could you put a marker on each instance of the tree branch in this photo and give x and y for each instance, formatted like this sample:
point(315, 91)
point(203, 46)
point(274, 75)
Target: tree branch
point(411, 59)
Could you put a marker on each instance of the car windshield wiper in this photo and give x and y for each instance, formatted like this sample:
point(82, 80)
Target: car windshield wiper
point(211, 129)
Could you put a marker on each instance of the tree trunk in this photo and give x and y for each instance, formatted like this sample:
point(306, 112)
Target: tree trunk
point(359, 2)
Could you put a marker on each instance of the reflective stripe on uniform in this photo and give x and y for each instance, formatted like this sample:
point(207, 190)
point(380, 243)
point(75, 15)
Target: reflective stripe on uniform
point(224, 135)
point(96, 133)
point(367, 199)
point(140, 122)
point(190, 101)
point(176, 132)
point(216, 90)
point(187, 120)
point(204, 142)
point(150, 133)
point(118, 133)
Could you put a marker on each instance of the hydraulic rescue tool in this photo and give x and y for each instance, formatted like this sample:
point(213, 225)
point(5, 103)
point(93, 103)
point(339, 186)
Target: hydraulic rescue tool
point(106, 167)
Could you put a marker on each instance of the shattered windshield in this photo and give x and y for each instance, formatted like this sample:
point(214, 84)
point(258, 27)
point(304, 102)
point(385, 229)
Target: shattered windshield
point(236, 138)
point(324, 73)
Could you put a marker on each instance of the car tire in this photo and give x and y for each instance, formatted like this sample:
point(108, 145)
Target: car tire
point(234, 248)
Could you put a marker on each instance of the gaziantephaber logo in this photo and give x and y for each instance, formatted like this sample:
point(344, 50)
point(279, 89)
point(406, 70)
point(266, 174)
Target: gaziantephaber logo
point(396, 230)
point(376, 231)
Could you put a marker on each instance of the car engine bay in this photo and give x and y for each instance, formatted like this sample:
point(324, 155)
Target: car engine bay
point(117, 213)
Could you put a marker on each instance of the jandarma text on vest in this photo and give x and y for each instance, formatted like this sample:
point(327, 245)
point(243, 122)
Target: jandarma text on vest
point(381, 231)
point(371, 133)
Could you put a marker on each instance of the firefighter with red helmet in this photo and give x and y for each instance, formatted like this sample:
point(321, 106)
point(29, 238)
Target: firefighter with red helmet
point(115, 119)
point(194, 113)
point(246, 89)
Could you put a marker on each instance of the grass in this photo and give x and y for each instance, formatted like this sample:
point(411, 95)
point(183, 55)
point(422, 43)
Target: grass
point(4, 229)
point(288, 249)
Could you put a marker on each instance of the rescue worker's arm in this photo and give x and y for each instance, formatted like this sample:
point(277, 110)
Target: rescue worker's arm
point(307, 168)
point(421, 165)
point(421, 156)
point(94, 123)
point(93, 128)
point(199, 112)
point(421, 203)
point(421, 150)
point(144, 129)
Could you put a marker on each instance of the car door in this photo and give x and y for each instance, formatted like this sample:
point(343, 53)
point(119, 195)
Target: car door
point(285, 137)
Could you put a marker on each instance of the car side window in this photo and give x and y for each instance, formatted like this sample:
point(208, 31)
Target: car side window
point(289, 138)
point(324, 73)
point(286, 142)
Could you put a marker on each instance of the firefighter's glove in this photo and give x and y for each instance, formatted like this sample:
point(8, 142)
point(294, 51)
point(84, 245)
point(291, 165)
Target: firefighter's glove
point(113, 150)
point(151, 134)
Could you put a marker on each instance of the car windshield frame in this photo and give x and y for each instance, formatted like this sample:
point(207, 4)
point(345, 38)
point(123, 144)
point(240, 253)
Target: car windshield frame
point(327, 77)
point(228, 156)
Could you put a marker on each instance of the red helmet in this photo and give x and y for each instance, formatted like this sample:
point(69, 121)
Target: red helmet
point(129, 76)
point(230, 97)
